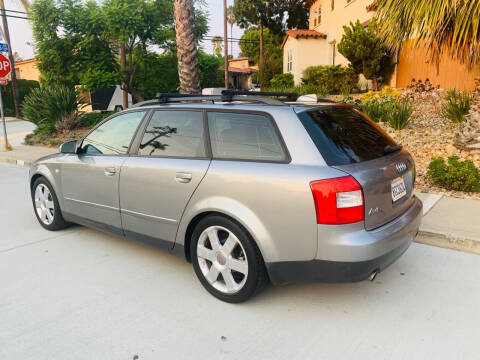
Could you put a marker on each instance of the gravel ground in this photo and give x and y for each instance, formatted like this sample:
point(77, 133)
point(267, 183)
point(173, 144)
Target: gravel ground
point(429, 135)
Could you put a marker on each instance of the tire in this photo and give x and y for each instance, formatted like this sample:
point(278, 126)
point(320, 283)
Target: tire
point(52, 218)
point(234, 265)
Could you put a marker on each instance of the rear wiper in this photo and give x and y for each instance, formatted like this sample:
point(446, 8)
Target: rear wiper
point(391, 149)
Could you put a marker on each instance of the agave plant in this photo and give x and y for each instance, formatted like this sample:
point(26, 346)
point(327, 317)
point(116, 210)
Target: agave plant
point(53, 108)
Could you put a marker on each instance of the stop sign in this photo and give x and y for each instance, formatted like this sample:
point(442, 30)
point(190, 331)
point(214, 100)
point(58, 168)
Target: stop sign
point(4, 66)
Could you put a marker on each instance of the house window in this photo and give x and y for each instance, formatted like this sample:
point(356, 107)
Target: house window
point(289, 61)
point(333, 51)
point(317, 16)
point(333, 5)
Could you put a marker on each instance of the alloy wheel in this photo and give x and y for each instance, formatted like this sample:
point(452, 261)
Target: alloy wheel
point(222, 259)
point(44, 204)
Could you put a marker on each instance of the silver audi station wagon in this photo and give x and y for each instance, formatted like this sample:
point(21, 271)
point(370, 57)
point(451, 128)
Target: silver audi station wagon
point(249, 189)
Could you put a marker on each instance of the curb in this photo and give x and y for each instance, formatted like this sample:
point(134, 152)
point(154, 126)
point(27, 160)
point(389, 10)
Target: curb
point(16, 162)
point(448, 241)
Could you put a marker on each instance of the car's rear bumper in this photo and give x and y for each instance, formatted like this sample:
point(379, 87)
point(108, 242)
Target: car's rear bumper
point(350, 256)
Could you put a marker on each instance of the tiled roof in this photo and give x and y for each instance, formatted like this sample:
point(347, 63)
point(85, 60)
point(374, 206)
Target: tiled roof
point(241, 70)
point(303, 33)
point(239, 58)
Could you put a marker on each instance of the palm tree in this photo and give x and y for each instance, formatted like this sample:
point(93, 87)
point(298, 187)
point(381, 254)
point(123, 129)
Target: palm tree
point(217, 45)
point(186, 47)
point(231, 20)
point(449, 26)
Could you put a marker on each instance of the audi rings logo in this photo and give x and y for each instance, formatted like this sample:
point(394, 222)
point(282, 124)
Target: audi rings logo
point(401, 167)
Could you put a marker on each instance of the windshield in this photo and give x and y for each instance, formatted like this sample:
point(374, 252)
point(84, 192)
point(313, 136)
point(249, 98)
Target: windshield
point(343, 135)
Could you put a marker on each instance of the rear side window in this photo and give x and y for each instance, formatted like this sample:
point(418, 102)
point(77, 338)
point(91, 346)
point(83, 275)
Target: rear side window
point(344, 136)
point(174, 134)
point(241, 136)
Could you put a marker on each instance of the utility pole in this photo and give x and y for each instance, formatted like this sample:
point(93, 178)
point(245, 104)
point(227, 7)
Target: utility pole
point(12, 61)
point(225, 40)
point(123, 66)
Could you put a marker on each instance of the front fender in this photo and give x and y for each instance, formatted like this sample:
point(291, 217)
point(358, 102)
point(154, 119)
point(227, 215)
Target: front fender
point(51, 171)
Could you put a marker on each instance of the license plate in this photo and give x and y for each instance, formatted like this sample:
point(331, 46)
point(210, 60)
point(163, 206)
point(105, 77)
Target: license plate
point(398, 189)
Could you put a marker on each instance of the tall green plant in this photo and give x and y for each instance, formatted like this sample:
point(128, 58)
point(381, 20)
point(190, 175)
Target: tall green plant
point(366, 51)
point(457, 105)
point(53, 108)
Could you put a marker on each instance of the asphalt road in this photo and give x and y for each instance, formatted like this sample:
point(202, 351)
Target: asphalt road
point(16, 131)
point(81, 294)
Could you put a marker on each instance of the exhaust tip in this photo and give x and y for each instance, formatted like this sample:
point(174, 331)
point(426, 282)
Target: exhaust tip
point(373, 275)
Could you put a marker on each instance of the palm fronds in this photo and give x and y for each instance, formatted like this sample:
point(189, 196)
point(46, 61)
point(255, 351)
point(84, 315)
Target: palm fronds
point(451, 26)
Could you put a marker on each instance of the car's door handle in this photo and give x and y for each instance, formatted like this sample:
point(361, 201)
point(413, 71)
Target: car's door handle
point(110, 171)
point(183, 177)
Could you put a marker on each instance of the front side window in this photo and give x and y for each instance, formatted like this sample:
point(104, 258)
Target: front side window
point(241, 136)
point(114, 136)
point(174, 134)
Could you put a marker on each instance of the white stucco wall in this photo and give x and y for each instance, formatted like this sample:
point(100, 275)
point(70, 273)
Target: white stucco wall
point(306, 52)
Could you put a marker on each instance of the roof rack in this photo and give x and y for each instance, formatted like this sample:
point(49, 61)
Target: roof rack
point(227, 96)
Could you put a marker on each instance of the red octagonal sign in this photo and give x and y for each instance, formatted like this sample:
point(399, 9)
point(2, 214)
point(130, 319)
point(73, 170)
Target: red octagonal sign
point(4, 66)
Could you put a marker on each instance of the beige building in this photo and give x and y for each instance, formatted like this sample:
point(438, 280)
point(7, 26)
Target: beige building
point(240, 73)
point(318, 45)
point(27, 70)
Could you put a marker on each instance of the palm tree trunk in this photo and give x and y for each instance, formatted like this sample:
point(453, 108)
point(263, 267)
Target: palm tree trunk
point(261, 78)
point(231, 40)
point(123, 66)
point(16, 98)
point(186, 47)
point(225, 41)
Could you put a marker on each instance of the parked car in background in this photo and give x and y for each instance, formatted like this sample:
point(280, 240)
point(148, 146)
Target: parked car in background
point(248, 189)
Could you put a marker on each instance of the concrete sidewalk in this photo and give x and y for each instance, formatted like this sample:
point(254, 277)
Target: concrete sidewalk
point(25, 155)
point(448, 222)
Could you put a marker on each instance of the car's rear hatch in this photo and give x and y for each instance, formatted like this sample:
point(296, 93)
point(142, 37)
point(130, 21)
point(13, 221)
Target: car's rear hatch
point(350, 142)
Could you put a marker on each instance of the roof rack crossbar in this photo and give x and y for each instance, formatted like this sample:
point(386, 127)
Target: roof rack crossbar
point(288, 95)
point(227, 96)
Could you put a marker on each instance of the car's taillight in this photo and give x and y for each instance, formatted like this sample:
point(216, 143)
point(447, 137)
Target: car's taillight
point(338, 201)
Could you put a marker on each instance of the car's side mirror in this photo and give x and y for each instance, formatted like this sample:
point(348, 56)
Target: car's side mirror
point(69, 147)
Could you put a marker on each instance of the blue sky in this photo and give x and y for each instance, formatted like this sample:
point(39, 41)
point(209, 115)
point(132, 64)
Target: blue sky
point(21, 32)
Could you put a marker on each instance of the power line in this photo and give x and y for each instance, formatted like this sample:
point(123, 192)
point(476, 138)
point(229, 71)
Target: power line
point(3, 13)
point(246, 41)
point(15, 11)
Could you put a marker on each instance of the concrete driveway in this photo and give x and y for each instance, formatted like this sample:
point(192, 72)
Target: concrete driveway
point(81, 294)
point(16, 131)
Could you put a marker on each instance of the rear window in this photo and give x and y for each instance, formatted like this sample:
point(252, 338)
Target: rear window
point(345, 136)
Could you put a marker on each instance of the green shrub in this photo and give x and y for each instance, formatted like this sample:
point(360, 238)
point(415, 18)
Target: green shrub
point(457, 105)
point(454, 175)
point(282, 81)
point(335, 78)
point(378, 109)
point(92, 119)
point(301, 90)
point(400, 115)
point(24, 88)
point(53, 108)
